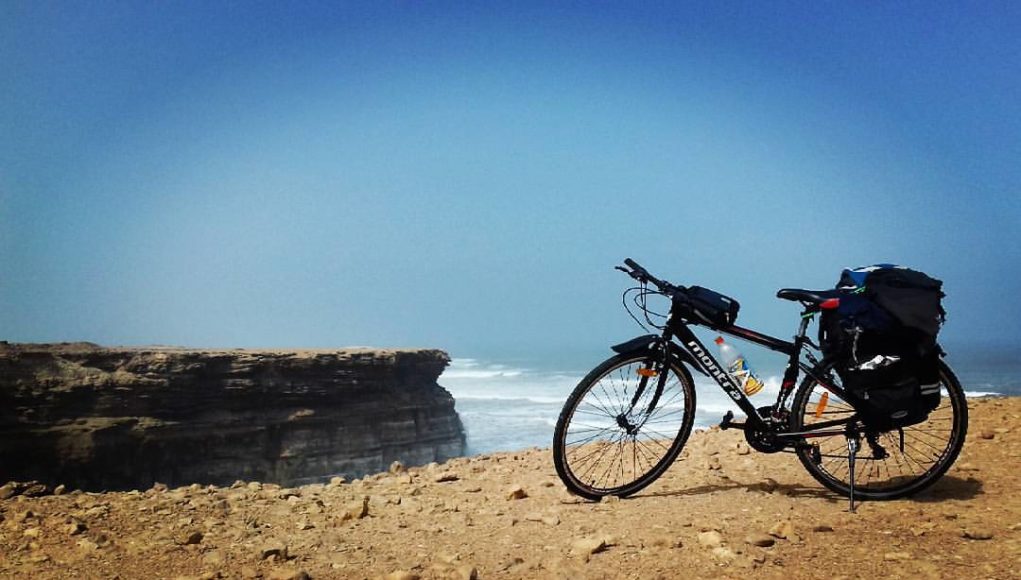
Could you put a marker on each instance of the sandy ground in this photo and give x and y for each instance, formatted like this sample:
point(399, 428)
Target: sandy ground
point(507, 516)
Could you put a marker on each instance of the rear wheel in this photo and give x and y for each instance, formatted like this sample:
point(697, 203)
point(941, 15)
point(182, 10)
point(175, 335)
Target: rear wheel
point(623, 425)
point(911, 459)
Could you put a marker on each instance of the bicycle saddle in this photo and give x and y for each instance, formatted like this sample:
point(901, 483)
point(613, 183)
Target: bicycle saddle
point(809, 296)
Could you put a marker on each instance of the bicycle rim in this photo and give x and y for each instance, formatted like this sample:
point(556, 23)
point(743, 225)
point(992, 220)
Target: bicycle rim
point(913, 463)
point(608, 442)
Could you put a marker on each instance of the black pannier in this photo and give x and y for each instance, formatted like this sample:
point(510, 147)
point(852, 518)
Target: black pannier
point(882, 337)
point(704, 306)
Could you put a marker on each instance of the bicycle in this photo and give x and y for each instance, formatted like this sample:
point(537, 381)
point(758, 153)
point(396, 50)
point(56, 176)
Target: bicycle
point(628, 419)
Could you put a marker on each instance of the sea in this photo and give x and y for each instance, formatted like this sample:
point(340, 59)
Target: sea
point(510, 403)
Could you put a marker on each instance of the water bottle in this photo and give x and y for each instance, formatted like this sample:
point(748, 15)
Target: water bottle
point(738, 368)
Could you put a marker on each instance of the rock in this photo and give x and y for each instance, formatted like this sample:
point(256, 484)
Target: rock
point(446, 476)
point(396, 467)
point(743, 449)
point(666, 542)
point(60, 490)
point(402, 575)
point(977, 534)
point(276, 550)
point(32, 533)
point(894, 556)
point(768, 485)
point(987, 434)
point(189, 537)
point(249, 573)
point(75, 527)
point(610, 499)
point(723, 554)
point(516, 492)
point(466, 572)
point(710, 539)
point(585, 547)
point(288, 573)
point(214, 558)
point(472, 489)
point(8, 490)
point(357, 510)
point(760, 540)
point(70, 394)
point(552, 520)
point(34, 489)
point(822, 528)
point(337, 481)
point(783, 530)
point(304, 525)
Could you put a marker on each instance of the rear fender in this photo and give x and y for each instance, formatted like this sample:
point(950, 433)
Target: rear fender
point(650, 342)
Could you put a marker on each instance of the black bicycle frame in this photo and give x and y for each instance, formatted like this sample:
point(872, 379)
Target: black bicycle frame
point(711, 367)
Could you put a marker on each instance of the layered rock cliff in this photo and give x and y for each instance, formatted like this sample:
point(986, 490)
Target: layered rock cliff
point(120, 418)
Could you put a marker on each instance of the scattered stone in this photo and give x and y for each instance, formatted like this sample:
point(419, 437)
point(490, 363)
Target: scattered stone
point(288, 573)
point(32, 533)
point(666, 542)
point(768, 485)
point(894, 556)
point(586, 547)
point(189, 537)
point(710, 539)
point(552, 520)
point(466, 572)
point(396, 467)
point(473, 489)
point(967, 467)
point(783, 530)
point(977, 534)
point(60, 490)
point(516, 492)
point(822, 528)
point(337, 481)
point(304, 525)
point(760, 540)
point(987, 434)
point(357, 510)
point(75, 527)
point(34, 489)
point(214, 558)
point(402, 575)
point(743, 449)
point(8, 490)
point(277, 551)
point(249, 573)
point(446, 476)
point(723, 554)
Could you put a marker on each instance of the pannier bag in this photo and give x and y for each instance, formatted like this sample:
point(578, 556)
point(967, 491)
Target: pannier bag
point(704, 306)
point(882, 337)
point(890, 391)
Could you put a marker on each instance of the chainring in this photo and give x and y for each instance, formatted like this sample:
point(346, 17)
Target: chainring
point(766, 441)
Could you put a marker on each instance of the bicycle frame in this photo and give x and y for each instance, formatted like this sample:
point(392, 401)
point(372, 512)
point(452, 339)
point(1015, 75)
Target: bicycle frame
point(708, 364)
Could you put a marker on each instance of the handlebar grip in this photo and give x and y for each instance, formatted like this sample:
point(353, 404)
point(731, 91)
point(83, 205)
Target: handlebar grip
point(633, 264)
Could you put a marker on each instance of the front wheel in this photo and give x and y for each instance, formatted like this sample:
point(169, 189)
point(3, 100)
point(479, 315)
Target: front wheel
point(893, 464)
point(623, 425)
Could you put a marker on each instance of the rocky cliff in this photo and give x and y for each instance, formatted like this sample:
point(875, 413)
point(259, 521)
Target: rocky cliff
point(119, 418)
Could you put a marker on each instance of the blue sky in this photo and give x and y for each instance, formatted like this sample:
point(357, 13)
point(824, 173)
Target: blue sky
point(466, 175)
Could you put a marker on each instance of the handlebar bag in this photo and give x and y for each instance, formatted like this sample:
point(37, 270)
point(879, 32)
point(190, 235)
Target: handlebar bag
point(704, 306)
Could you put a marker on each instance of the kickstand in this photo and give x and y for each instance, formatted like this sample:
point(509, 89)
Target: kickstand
point(852, 453)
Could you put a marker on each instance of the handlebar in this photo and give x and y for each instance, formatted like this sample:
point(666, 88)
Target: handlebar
point(636, 271)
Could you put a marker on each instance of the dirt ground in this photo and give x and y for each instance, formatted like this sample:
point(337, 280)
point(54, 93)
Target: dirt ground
point(507, 516)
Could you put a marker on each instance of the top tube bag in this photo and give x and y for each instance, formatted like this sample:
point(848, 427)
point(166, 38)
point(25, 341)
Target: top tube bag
point(704, 306)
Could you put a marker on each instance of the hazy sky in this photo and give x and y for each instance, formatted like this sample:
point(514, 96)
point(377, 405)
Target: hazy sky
point(466, 175)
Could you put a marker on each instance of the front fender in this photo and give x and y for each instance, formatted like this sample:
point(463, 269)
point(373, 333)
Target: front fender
point(651, 341)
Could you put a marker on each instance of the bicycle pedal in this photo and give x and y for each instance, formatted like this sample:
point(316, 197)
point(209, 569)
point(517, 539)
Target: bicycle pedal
point(727, 421)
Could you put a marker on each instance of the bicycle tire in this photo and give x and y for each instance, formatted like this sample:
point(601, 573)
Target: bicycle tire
point(607, 389)
point(929, 448)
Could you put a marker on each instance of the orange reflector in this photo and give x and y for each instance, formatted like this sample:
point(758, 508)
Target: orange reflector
point(823, 401)
point(647, 372)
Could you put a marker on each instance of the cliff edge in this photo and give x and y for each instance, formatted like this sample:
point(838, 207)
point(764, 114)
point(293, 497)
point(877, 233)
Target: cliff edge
point(98, 418)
